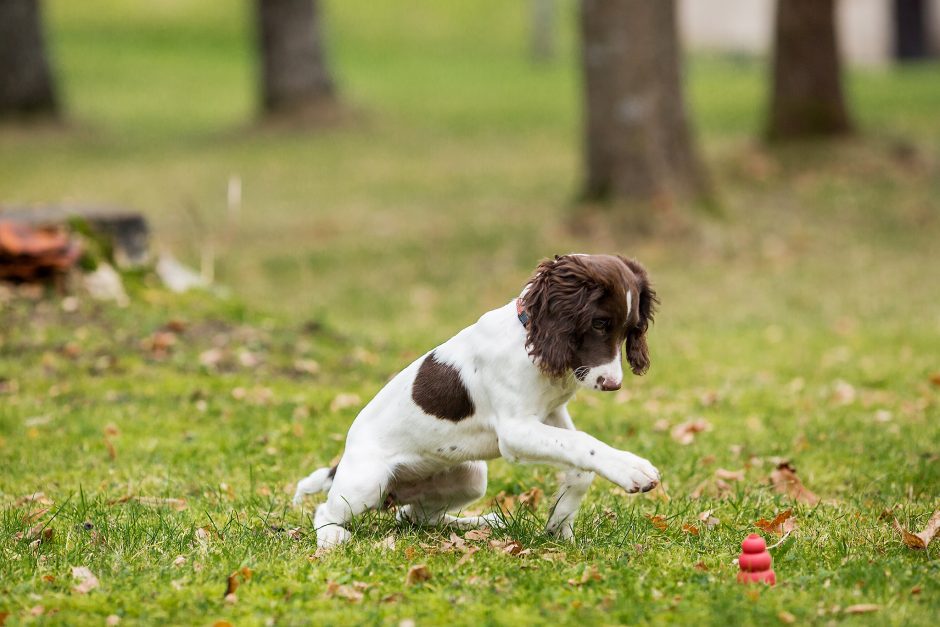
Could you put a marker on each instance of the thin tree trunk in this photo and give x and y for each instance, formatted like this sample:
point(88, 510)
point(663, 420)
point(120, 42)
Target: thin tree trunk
point(638, 143)
point(295, 75)
point(807, 99)
point(26, 85)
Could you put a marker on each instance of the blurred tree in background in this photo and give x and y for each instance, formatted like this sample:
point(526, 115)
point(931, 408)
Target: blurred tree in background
point(639, 146)
point(26, 84)
point(295, 75)
point(807, 98)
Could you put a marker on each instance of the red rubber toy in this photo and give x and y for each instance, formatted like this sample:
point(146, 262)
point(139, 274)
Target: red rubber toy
point(755, 562)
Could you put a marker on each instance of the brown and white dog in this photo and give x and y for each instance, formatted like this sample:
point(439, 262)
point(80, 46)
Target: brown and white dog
point(498, 388)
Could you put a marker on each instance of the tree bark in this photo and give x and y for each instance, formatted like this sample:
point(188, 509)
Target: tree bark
point(807, 99)
point(638, 143)
point(295, 75)
point(26, 86)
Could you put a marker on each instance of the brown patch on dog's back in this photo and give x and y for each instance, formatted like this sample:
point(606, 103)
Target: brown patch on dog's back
point(439, 391)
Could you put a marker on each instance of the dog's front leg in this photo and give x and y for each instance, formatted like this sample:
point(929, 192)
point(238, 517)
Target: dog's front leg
point(574, 485)
point(527, 439)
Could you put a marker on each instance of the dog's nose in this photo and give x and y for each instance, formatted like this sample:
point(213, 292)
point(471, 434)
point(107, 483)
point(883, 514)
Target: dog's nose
point(608, 385)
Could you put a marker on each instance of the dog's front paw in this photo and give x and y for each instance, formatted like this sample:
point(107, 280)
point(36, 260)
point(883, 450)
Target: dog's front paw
point(634, 474)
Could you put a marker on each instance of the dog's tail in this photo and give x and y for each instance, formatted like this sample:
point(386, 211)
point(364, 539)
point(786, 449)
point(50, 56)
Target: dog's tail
point(319, 481)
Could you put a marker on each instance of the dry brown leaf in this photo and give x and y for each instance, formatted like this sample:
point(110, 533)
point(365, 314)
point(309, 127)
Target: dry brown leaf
point(922, 539)
point(468, 555)
point(32, 517)
point(86, 580)
point(785, 481)
point(478, 534)
point(782, 523)
point(221, 623)
point(344, 401)
point(179, 561)
point(37, 534)
point(354, 592)
point(684, 433)
point(35, 497)
point(700, 565)
point(590, 574)
point(729, 475)
point(657, 521)
point(862, 608)
point(935, 378)
point(417, 574)
point(786, 617)
point(690, 529)
point(531, 498)
point(112, 452)
point(709, 520)
point(238, 577)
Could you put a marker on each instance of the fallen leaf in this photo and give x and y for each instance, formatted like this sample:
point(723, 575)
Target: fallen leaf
point(786, 617)
point(843, 393)
point(344, 401)
point(179, 561)
point(862, 608)
point(729, 475)
point(468, 555)
point(354, 592)
point(37, 534)
point(684, 433)
point(531, 498)
point(86, 580)
point(922, 539)
point(478, 534)
point(709, 520)
point(237, 578)
point(658, 521)
point(690, 529)
point(935, 378)
point(700, 565)
point(509, 547)
point(590, 574)
point(35, 497)
point(416, 574)
point(112, 452)
point(785, 481)
point(781, 523)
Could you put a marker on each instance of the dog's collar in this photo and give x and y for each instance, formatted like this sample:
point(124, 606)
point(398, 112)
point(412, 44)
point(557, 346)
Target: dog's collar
point(521, 314)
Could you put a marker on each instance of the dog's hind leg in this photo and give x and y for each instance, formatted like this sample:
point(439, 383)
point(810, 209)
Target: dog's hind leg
point(426, 502)
point(360, 484)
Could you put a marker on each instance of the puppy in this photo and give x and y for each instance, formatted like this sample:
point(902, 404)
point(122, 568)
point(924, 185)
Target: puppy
point(499, 388)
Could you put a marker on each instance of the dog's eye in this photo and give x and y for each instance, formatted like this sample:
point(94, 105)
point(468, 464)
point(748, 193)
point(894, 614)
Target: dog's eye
point(600, 324)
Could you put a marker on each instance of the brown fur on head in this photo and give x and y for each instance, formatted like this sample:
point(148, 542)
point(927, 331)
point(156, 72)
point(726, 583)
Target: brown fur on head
point(579, 314)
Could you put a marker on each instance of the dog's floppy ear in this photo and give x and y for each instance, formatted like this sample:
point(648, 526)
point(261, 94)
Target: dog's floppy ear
point(637, 351)
point(558, 303)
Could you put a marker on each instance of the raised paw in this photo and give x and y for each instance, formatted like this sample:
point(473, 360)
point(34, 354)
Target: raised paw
point(634, 474)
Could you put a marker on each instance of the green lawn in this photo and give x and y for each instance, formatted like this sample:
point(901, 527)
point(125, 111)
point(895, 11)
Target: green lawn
point(803, 324)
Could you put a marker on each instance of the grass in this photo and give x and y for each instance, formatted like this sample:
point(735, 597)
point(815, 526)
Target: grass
point(802, 324)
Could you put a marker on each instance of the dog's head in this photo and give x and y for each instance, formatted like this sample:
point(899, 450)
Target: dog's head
point(581, 310)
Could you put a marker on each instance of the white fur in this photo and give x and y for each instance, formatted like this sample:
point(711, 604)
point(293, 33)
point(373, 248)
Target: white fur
point(434, 466)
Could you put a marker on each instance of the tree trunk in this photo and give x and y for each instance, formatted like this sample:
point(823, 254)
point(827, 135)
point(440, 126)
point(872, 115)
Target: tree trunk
point(639, 145)
point(295, 76)
point(25, 78)
point(807, 99)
